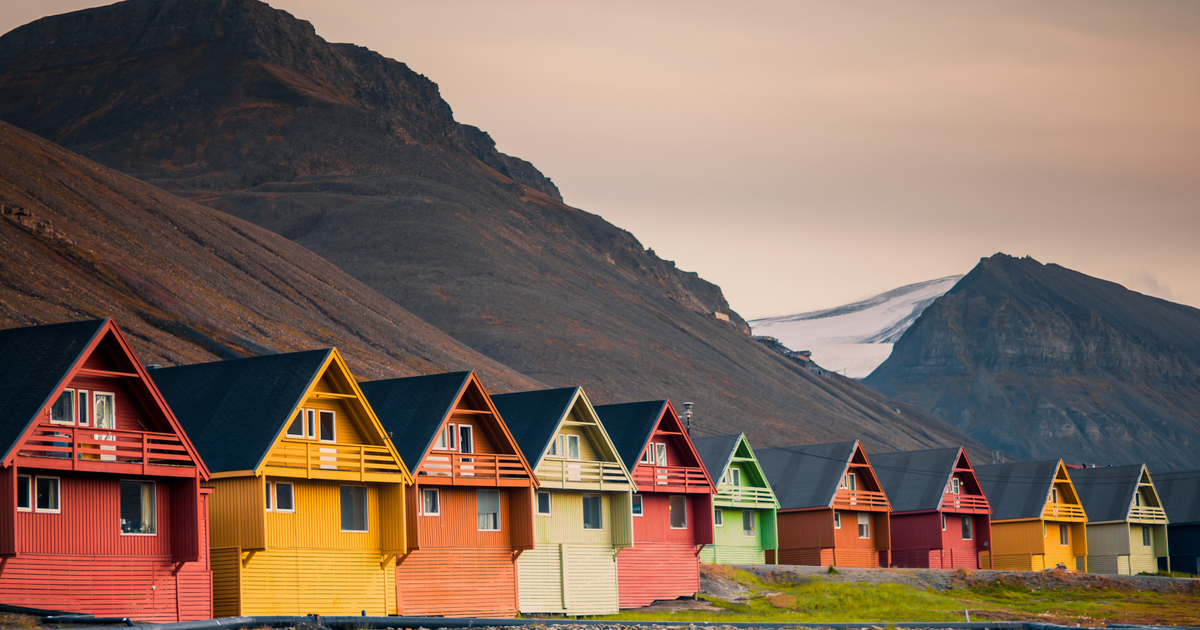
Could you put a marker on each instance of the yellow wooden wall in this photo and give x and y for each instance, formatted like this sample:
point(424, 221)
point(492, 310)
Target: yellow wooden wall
point(587, 450)
point(226, 568)
point(323, 581)
point(316, 523)
point(238, 513)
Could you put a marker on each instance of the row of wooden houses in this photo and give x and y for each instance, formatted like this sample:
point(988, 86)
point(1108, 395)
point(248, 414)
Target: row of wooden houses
point(280, 484)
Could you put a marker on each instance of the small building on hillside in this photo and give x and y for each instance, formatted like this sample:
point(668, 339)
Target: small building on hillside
point(470, 510)
point(672, 508)
point(102, 506)
point(940, 517)
point(1127, 526)
point(832, 509)
point(1038, 521)
point(1180, 493)
point(744, 506)
point(583, 509)
point(308, 508)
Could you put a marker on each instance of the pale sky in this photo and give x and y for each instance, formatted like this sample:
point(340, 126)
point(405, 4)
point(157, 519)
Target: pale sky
point(804, 155)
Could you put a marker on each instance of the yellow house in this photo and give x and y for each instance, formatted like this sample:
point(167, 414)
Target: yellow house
point(308, 509)
point(1038, 521)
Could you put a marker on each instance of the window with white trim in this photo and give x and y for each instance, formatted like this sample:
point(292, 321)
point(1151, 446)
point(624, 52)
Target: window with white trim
point(837, 520)
point(1064, 534)
point(354, 508)
point(943, 522)
point(719, 517)
point(543, 503)
point(648, 454)
point(635, 502)
point(572, 446)
point(24, 494)
point(593, 511)
point(735, 477)
point(63, 409)
point(1145, 535)
point(747, 522)
point(487, 503)
point(955, 485)
point(310, 416)
point(267, 497)
point(431, 502)
point(966, 528)
point(104, 410)
point(678, 509)
point(296, 428)
point(1053, 495)
point(84, 407)
point(554, 449)
point(660, 453)
point(139, 514)
point(285, 497)
point(864, 525)
point(47, 496)
point(328, 425)
point(466, 439)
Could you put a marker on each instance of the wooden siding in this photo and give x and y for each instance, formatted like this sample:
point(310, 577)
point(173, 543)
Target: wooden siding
point(322, 581)
point(239, 513)
point(809, 537)
point(394, 519)
point(226, 565)
point(89, 522)
point(565, 522)
point(729, 554)
point(918, 540)
point(458, 524)
point(1117, 548)
point(570, 579)
point(8, 511)
point(457, 582)
point(317, 524)
point(653, 570)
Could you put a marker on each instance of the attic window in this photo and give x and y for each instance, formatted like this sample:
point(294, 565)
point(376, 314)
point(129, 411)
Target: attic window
point(1053, 495)
point(554, 448)
point(296, 428)
point(104, 407)
point(572, 446)
point(955, 485)
point(848, 482)
point(328, 426)
point(735, 476)
point(648, 455)
point(63, 409)
point(1137, 499)
point(660, 453)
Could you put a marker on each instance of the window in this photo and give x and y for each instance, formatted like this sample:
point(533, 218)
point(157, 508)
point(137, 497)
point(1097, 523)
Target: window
point(593, 511)
point(572, 447)
point(554, 449)
point(296, 428)
point(636, 504)
point(848, 482)
point(943, 522)
point(488, 504)
point(23, 482)
point(84, 407)
point(955, 485)
point(966, 527)
point(864, 525)
point(138, 514)
point(285, 497)
point(1145, 535)
point(452, 437)
point(431, 502)
point(747, 522)
point(543, 505)
point(328, 426)
point(1053, 495)
point(735, 476)
point(1137, 499)
point(267, 490)
point(1064, 534)
point(678, 507)
point(354, 508)
point(837, 520)
point(63, 409)
point(466, 442)
point(47, 498)
point(719, 517)
point(660, 453)
point(442, 443)
point(311, 417)
point(106, 414)
point(648, 455)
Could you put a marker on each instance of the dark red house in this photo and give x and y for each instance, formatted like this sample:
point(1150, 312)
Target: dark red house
point(672, 507)
point(101, 509)
point(940, 517)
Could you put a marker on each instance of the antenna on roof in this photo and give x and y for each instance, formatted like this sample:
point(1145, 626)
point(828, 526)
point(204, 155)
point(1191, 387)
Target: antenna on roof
point(687, 417)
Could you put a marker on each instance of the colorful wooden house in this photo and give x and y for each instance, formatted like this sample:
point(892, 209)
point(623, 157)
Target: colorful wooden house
point(1038, 522)
point(744, 506)
point(103, 510)
point(470, 510)
point(832, 509)
point(308, 508)
point(583, 507)
point(672, 508)
point(940, 517)
point(1127, 526)
point(1180, 493)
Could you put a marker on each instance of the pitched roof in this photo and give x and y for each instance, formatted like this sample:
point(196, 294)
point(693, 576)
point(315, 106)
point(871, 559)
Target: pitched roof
point(806, 476)
point(1180, 495)
point(716, 451)
point(234, 410)
point(630, 426)
point(533, 417)
point(412, 409)
point(1107, 492)
point(1017, 490)
point(915, 480)
point(33, 363)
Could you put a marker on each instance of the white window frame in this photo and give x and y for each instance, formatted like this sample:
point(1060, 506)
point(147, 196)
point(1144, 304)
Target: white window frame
point(269, 497)
point(735, 477)
point(441, 443)
point(310, 424)
point(28, 493)
point(968, 528)
point(864, 520)
point(554, 449)
point(578, 447)
point(837, 520)
point(293, 490)
point(153, 493)
point(749, 533)
point(600, 497)
point(320, 413)
point(469, 442)
point(943, 521)
point(425, 493)
point(1147, 536)
point(300, 420)
point(1137, 498)
point(452, 436)
point(635, 501)
point(74, 414)
point(80, 412)
point(96, 417)
point(366, 509)
point(648, 455)
point(499, 511)
point(718, 517)
point(851, 482)
point(1053, 495)
point(956, 486)
point(685, 511)
point(660, 453)
point(549, 504)
point(33, 496)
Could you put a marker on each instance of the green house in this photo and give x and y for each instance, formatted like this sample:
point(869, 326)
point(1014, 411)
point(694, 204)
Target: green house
point(583, 510)
point(744, 508)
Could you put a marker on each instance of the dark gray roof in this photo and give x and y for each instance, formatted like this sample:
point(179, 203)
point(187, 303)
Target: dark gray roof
point(630, 425)
point(1106, 492)
point(805, 476)
point(33, 363)
point(716, 451)
point(234, 410)
point(411, 409)
point(915, 480)
point(1180, 494)
point(1017, 490)
point(533, 417)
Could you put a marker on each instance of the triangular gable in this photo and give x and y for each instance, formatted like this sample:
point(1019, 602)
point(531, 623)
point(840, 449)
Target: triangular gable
point(104, 336)
point(1108, 492)
point(670, 424)
point(537, 417)
point(1061, 476)
point(743, 453)
point(859, 459)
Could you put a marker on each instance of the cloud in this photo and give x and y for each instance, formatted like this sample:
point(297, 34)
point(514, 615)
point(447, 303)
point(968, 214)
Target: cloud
point(1150, 285)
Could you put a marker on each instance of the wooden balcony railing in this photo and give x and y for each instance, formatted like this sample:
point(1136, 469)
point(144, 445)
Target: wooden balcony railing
point(559, 472)
point(1064, 511)
point(860, 500)
point(651, 478)
point(964, 502)
point(308, 459)
point(728, 495)
point(1147, 513)
point(474, 469)
point(89, 448)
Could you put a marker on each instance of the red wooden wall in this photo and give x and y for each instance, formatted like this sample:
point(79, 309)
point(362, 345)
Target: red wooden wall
point(809, 538)
point(663, 563)
point(919, 542)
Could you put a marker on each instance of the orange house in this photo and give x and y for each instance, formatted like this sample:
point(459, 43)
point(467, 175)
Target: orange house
point(470, 509)
point(832, 508)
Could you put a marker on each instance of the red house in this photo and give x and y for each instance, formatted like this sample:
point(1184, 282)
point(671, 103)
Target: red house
point(940, 517)
point(673, 507)
point(101, 509)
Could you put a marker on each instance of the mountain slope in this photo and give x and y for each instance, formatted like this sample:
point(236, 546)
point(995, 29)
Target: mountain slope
point(855, 337)
point(187, 283)
point(357, 158)
point(1045, 362)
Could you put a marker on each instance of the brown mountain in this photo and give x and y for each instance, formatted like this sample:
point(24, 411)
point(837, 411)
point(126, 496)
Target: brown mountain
point(357, 158)
point(1045, 362)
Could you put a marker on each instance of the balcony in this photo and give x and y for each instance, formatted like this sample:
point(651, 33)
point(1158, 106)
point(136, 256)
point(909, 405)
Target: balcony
point(106, 450)
point(974, 504)
point(670, 479)
point(1064, 512)
point(862, 500)
point(1147, 514)
point(743, 496)
point(581, 475)
point(321, 460)
point(472, 469)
